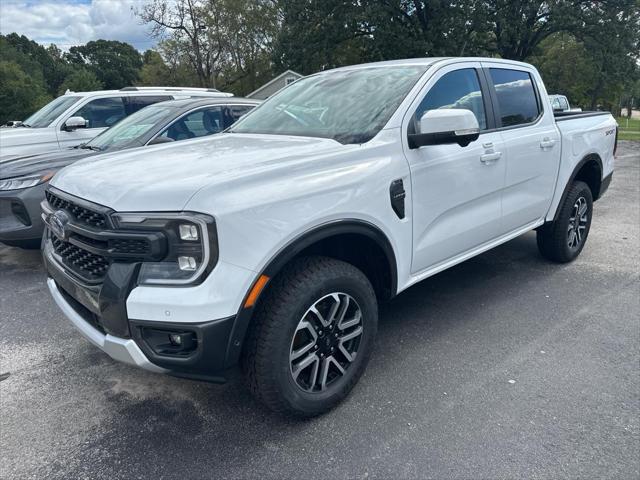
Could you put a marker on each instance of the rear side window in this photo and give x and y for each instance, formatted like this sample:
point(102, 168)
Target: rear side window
point(102, 112)
point(517, 100)
point(133, 104)
point(457, 89)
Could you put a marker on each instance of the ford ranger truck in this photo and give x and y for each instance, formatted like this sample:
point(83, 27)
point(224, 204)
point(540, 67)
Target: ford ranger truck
point(271, 244)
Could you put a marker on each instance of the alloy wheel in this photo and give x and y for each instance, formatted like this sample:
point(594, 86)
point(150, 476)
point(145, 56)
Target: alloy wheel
point(325, 342)
point(578, 223)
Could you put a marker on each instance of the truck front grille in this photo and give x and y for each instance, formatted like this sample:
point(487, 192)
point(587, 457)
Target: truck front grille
point(82, 214)
point(82, 262)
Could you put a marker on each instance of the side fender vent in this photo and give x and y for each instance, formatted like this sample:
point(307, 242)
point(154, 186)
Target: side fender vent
point(397, 195)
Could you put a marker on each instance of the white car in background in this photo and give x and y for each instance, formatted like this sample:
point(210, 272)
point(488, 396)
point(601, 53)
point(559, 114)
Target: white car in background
point(77, 117)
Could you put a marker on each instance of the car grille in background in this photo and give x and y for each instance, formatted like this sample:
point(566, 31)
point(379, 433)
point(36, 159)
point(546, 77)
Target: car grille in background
point(83, 263)
point(84, 215)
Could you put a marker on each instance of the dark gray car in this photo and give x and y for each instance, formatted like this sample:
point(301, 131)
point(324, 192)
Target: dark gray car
point(23, 180)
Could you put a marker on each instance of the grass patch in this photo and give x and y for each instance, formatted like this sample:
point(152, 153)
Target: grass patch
point(629, 128)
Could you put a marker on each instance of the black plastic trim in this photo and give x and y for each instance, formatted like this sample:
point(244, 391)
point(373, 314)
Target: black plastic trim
point(577, 168)
point(207, 362)
point(397, 195)
point(562, 116)
point(293, 248)
point(604, 186)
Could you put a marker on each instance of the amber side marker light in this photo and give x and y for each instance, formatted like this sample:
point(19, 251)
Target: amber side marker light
point(255, 291)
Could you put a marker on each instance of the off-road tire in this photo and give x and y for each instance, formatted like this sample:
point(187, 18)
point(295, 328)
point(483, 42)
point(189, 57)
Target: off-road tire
point(266, 356)
point(553, 237)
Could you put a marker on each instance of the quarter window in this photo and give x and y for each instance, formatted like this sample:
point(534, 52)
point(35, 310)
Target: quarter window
point(102, 112)
point(457, 89)
point(517, 100)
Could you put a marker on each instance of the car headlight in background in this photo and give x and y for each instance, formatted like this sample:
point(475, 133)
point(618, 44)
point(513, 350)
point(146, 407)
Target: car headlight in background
point(192, 245)
point(25, 182)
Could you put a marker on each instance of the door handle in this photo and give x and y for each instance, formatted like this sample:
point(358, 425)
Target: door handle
point(489, 158)
point(547, 143)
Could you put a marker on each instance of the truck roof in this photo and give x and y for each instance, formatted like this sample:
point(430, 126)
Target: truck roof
point(427, 61)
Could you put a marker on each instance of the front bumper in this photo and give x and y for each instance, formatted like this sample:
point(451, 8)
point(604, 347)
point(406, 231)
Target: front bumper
point(121, 349)
point(99, 312)
point(20, 220)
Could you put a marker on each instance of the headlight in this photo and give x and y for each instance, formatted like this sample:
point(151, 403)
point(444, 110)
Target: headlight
point(25, 182)
point(192, 246)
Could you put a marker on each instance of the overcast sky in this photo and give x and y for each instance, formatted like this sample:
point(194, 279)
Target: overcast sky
point(74, 22)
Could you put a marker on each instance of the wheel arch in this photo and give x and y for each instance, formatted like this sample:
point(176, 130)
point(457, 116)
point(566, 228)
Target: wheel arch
point(588, 170)
point(336, 239)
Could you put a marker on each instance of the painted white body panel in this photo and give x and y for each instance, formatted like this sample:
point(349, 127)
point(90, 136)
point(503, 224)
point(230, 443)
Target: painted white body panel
point(264, 191)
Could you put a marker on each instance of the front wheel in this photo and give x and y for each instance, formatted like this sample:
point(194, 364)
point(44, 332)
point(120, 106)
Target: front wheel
point(312, 337)
point(563, 239)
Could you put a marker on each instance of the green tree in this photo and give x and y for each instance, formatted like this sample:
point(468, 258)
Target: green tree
point(81, 80)
point(566, 68)
point(227, 43)
point(115, 64)
point(20, 94)
point(154, 71)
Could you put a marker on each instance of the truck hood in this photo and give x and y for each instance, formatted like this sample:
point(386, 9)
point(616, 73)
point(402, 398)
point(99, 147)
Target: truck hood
point(165, 177)
point(19, 166)
point(24, 140)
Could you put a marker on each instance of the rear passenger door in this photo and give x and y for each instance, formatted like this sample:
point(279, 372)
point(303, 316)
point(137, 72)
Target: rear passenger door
point(531, 143)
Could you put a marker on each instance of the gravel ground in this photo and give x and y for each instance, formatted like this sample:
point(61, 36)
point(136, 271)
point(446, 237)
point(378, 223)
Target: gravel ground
point(505, 366)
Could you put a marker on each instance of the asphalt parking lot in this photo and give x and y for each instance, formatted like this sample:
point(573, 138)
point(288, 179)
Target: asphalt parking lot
point(506, 366)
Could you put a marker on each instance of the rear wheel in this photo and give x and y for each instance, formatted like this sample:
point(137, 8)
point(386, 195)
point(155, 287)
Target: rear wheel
point(563, 239)
point(312, 337)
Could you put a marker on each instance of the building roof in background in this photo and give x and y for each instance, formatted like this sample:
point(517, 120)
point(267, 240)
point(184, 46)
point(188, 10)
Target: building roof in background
point(274, 80)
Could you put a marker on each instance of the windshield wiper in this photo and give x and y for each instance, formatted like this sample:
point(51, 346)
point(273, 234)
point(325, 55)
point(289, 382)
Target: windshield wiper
point(26, 125)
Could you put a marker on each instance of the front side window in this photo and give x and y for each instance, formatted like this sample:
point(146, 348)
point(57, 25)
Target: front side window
point(517, 101)
point(196, 124)
point(457, 89)
point(52, 110)
point(349, 106)
point(102, 112)
point(132, 128)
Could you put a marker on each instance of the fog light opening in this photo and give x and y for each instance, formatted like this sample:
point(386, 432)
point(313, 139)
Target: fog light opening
point(171, 343)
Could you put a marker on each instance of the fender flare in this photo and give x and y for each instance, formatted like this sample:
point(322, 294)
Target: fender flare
point(574, 174)
point(293, 248)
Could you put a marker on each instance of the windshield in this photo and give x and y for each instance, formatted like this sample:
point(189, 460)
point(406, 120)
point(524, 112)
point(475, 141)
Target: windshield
point(349, 106)
point(52, 110)
point(130, 128)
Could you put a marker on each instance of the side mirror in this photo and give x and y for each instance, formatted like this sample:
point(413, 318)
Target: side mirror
point(446, 125)
point(74, 123)
point(159, 140)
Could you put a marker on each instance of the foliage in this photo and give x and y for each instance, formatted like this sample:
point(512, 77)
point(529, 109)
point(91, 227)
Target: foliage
point(115, 64)
point(226, 42)
point(586, 49)
point(20, 94)
point(81, 80)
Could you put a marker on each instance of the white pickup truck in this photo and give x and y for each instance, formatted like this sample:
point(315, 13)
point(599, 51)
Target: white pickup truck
point(271, 245)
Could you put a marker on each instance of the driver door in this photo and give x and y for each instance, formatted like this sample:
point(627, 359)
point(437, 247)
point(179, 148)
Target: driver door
point(456, 190)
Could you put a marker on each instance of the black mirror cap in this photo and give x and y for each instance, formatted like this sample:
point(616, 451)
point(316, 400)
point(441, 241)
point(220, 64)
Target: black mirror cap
point(417, 140)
